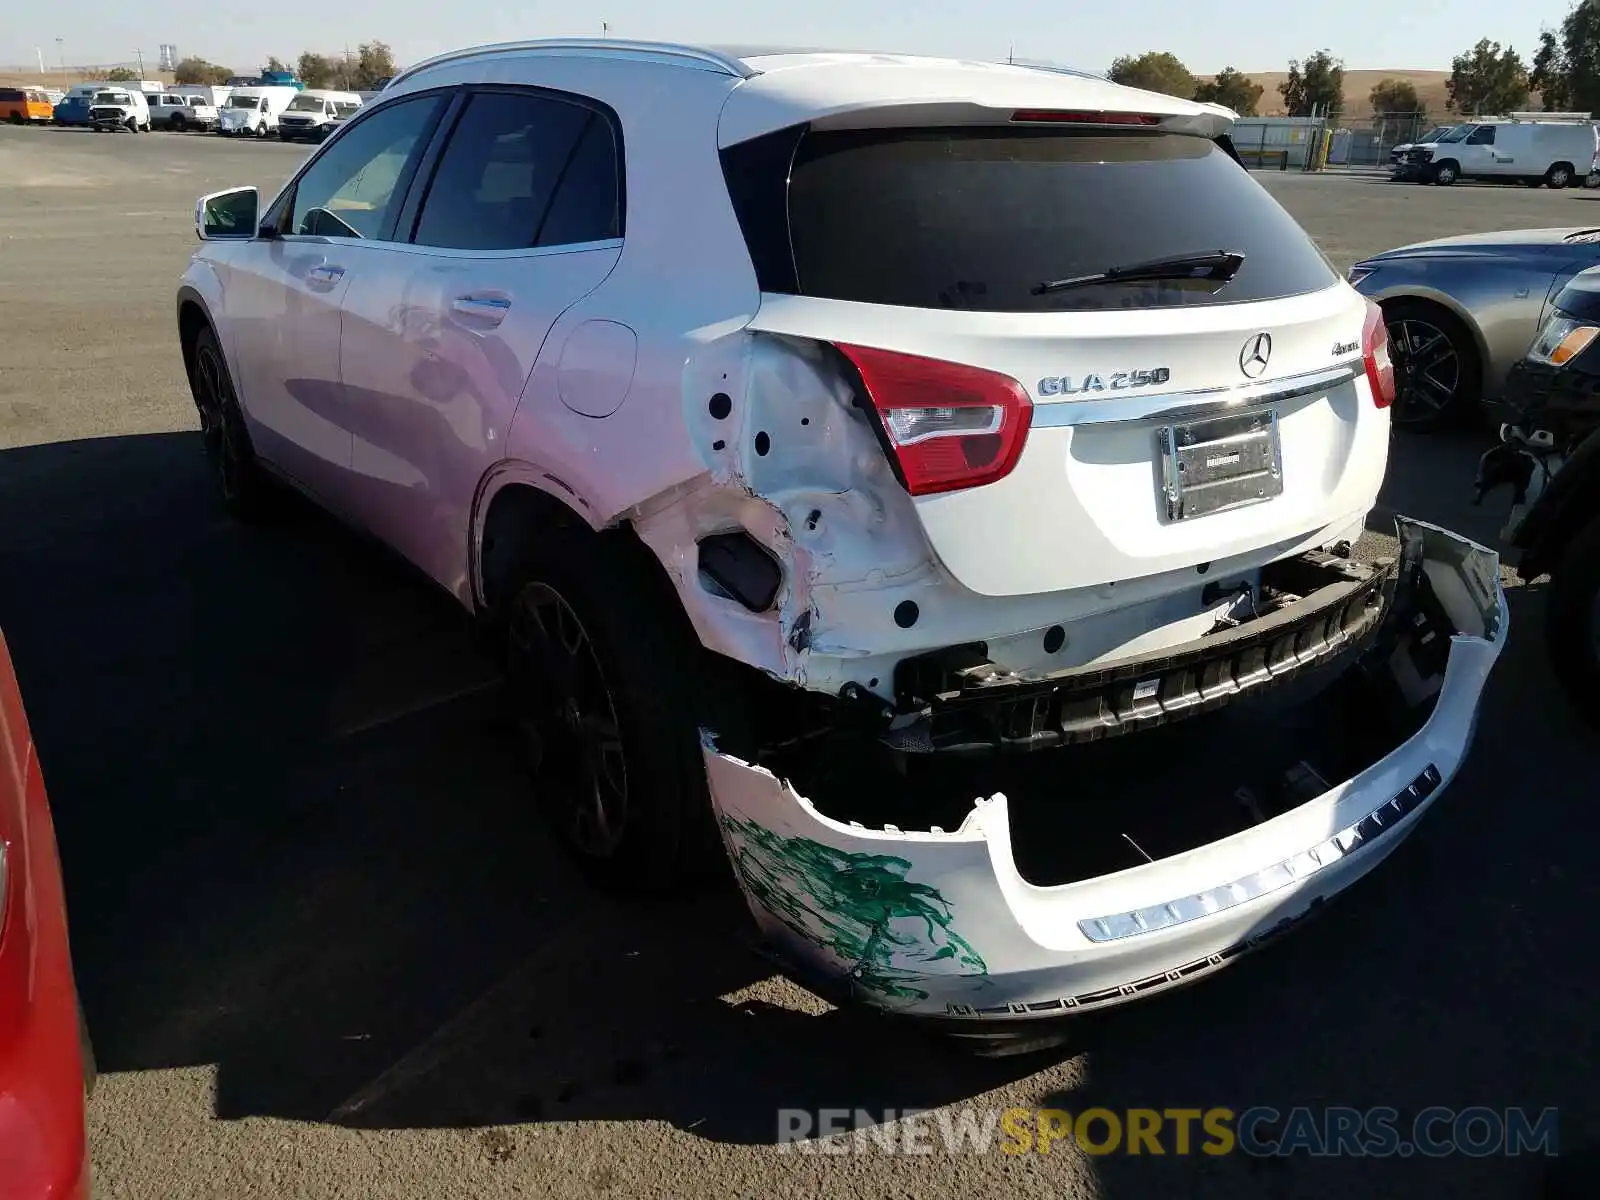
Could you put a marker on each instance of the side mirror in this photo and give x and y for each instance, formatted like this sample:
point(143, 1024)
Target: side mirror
point(233, 215)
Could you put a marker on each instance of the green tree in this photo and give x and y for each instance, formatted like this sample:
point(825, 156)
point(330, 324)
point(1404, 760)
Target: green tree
point(1315, 86)
point(1231, 89)
point(1487, 80)
point(274, 63)
point(1549, 76)
point(316, 70)
point(121, 75)
point(198, 70)
point(374, 63)
point(1154, 71)
point(1580, 44)
point(1395, 96)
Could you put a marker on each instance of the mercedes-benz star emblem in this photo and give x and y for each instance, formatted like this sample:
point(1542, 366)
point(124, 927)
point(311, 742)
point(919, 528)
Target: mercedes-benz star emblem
point(1253, 358)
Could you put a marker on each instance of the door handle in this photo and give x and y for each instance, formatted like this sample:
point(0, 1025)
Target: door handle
point(325, 275)
point(481, 310)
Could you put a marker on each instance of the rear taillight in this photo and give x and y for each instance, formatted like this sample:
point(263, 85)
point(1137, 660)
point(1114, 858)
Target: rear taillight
point(950, 426)
point(1375, 353)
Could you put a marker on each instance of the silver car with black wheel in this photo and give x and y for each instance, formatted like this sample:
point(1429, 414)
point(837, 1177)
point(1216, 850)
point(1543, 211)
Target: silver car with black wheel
point(1463, 310)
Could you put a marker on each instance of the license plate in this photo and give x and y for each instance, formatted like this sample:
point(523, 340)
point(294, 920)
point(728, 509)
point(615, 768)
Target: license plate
point(1220, 463)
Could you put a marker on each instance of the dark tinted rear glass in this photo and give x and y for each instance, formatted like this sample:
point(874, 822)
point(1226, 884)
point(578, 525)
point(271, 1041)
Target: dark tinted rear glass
point(976, 218)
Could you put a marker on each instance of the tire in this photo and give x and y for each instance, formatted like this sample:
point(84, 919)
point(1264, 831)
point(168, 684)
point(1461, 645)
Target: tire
point(1559, 176)
point(607, 707)
point(177, 123)
point(1447, 172)
point(133, 126)
point(16, 118)
point(1433, 393)
point(243, 487)
point(1572, 625)
point(261, 130)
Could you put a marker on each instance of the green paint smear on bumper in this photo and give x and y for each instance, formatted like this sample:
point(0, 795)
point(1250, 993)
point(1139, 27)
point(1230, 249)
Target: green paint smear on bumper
point(861, 907)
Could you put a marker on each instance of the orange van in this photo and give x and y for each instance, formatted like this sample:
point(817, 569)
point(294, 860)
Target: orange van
point(18, 105)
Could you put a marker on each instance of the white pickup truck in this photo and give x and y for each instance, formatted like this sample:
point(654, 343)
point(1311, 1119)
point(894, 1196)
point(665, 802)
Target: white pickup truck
point(179, 111)
point(315, 113)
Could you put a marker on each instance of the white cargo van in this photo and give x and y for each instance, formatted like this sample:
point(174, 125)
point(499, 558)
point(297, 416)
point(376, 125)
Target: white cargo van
point(254, 110)
point(118, 107)
point(1557, 149)
point(216, 94)
point(315, 113)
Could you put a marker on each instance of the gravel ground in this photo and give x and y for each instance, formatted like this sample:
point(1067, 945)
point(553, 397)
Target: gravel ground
point(325, 952)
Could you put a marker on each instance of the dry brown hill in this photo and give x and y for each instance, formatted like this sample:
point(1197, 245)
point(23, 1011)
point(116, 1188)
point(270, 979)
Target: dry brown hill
point(1358, 87)
point(72, 75)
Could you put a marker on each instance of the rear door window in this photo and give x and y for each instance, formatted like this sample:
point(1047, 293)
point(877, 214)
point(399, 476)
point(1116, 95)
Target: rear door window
point(522, 170)
point(977, 218)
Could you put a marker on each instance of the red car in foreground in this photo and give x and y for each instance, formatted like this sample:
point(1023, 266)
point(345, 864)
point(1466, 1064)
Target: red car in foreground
point(45, 1065)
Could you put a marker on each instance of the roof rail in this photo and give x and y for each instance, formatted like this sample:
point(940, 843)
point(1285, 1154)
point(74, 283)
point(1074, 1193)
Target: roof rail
point(1550, 116)
point(1055, 68)
point(663, 52)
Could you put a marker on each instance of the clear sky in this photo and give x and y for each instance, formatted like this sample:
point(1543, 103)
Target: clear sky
point(1257, 35)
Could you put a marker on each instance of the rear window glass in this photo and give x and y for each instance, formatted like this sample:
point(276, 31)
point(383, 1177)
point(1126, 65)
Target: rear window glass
point(977, 218)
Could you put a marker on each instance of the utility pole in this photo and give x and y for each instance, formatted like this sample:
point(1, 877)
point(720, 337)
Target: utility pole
point(61, 54)
point(1011, 54)
point(605, 28)
point(139, 54)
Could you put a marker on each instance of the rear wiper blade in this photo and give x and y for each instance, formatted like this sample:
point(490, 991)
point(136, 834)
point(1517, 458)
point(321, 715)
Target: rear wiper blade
point(1218, 266)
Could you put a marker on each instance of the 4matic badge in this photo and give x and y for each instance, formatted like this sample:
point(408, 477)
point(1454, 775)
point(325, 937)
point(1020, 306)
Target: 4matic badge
point(1117, 381)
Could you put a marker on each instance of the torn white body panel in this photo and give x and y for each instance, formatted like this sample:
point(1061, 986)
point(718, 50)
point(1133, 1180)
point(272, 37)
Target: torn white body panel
point(943, 924)
point(791, 460)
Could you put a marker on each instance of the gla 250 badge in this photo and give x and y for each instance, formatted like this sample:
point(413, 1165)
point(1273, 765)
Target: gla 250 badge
point(1065, 385)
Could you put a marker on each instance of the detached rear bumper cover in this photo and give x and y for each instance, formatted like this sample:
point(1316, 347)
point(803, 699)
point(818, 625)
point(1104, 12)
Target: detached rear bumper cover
point(943, 925)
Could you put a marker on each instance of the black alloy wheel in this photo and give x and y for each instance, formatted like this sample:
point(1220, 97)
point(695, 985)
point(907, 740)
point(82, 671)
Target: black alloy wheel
point(567, 719)
point(1436, 366)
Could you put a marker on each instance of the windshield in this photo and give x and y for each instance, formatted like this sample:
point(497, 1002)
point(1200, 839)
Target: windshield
point(1454, 134)
point(345, 108)
point(304, 103)
point(243, 101)
point(976, 218)
point(113, 98)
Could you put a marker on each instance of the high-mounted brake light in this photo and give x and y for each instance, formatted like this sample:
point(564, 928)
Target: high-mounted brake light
point(1063, 117)
point(1375, 354)
point(951, 426)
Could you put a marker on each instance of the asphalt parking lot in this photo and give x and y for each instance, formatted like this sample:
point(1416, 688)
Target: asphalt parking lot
point(325, 950)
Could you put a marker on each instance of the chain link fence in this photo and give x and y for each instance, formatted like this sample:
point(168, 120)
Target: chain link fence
point(1280, 143)
point(1318, 143)
point(1371, 141)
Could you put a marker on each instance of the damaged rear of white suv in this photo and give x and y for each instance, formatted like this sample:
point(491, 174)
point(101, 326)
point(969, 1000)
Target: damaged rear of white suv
point(941, 481)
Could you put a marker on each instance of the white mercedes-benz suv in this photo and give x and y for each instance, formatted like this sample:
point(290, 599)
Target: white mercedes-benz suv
point(934, 481)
